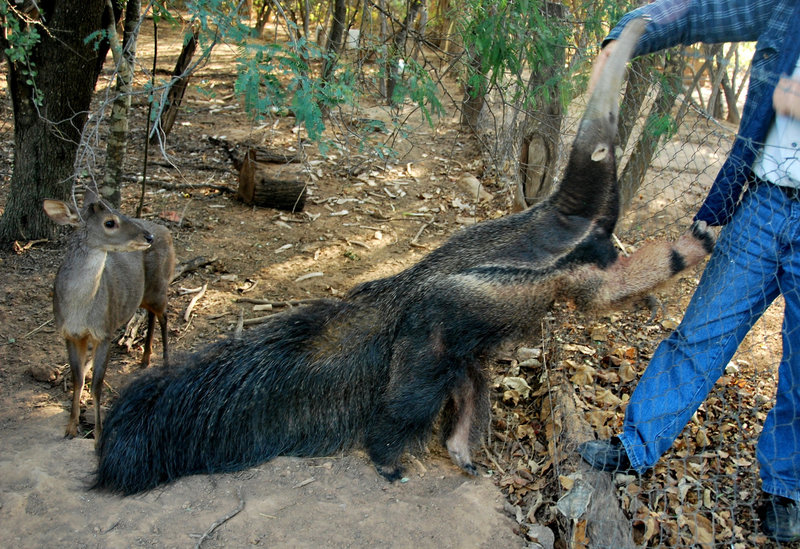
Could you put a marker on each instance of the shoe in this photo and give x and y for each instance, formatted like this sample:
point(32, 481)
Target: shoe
point(606, 455)
point(780, 518)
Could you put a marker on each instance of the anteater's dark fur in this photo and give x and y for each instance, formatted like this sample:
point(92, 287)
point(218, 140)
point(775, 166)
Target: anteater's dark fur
point(377, 367)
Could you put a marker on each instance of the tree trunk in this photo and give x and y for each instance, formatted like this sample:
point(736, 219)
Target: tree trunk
point(541, 128)
point(46, 137)
point(602, 522)
point(718, 72)
point(117, 144)
point(262, 17)
point(383, 39)
point(335, 38)
point(306, 20)
point(730, 99)
point(654, 130)
point(399, 47)
point(180, 80)
point(279, 186)
point(639, 78)
point(474, 92)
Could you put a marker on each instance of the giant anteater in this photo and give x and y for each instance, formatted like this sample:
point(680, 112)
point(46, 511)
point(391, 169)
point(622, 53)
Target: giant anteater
point(378, 367)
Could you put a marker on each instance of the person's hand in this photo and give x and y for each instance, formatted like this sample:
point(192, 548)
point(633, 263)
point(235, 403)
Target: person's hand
point(599, 64)
point(786, 98)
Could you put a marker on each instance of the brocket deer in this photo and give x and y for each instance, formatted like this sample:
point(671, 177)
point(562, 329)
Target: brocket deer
point(113, 265)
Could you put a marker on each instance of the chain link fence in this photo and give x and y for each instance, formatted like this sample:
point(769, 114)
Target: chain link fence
point(704, 491)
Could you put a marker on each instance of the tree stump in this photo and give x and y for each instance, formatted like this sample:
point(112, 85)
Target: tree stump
point(279, 186)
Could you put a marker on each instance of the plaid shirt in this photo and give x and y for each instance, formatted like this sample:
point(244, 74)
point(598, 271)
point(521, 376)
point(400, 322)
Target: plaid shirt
point(775, 25)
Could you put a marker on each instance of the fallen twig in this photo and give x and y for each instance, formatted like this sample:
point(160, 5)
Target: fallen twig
point(183, 186)
point(187, 291)
point(307, 481)
point(414, 240)
point(255, 320)
point(309, 275)
point(187, 315)
point(622, 247)
point(223, 520)
point(22, 248)
point(288, 303)
point(357, 243)
point(37, 329)
point(191, 265)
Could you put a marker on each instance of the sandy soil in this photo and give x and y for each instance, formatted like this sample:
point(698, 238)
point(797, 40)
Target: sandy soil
point(338, 501)
point(362, 220)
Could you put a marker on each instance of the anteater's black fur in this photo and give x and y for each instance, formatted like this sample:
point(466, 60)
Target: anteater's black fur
point(377, 367)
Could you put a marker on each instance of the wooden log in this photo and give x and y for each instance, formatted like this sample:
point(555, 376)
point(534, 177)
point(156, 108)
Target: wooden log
point(602, 523)
point(279, 186)
point(257, 154)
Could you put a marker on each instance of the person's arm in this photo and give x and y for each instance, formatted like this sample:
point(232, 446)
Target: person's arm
point(686, 22)
point(673, 22)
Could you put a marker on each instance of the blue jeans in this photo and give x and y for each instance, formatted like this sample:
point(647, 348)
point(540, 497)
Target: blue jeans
point(756, 259)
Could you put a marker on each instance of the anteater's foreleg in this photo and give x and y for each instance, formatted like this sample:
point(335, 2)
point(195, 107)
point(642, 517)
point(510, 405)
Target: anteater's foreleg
point(649, 266)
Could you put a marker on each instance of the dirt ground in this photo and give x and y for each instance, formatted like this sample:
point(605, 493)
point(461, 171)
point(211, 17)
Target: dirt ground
point(363, 219)
point(335, 502)
point(355, 226)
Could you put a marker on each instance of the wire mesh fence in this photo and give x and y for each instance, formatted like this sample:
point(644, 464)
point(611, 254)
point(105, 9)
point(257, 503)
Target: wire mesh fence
point(575, 381)
point(715, 397)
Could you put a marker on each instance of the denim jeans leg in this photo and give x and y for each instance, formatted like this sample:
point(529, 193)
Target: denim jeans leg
point(737, 286)
point(778, 449)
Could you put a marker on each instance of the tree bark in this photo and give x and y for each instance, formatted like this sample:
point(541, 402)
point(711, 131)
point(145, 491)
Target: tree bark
point(46, 137)
point(383, 39)
point(278, 186)
point(642, 155)
point(639, 78)
point(117, 144)
point(730, 99)
point(541, 128)
point(262, 17)
point(603, 523)
point(474, 92)
point(717, 72)
point(335, 38)
point(399, 47)
point(180, 80)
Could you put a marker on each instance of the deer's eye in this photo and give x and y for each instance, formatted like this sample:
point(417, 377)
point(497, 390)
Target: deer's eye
point(110, 223)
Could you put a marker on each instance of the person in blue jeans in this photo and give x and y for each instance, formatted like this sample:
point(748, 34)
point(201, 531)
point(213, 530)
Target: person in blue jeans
point(756, 196)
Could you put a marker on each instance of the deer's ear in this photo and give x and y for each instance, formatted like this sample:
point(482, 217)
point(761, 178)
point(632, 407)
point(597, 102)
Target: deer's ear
point(89, 197)
point(61, 212)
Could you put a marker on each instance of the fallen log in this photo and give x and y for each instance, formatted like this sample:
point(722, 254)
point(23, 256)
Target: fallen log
point(279, 186)
point(259, 154)
point(590, 507)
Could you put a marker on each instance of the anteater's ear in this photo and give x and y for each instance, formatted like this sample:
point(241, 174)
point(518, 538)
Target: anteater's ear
point(600, 153)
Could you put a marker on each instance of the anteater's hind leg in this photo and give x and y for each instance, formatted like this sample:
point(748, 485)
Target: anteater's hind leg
point(466, 418)
point(420, 380)
point(405, 418)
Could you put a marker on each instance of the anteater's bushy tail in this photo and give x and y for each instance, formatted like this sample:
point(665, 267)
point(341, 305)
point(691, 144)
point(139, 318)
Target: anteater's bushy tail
point(283, 389)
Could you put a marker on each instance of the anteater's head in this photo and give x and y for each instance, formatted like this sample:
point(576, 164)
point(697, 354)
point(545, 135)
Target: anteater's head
point(589, 186)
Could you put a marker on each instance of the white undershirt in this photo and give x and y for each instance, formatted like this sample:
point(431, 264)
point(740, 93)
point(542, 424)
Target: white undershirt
point(779, 160)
